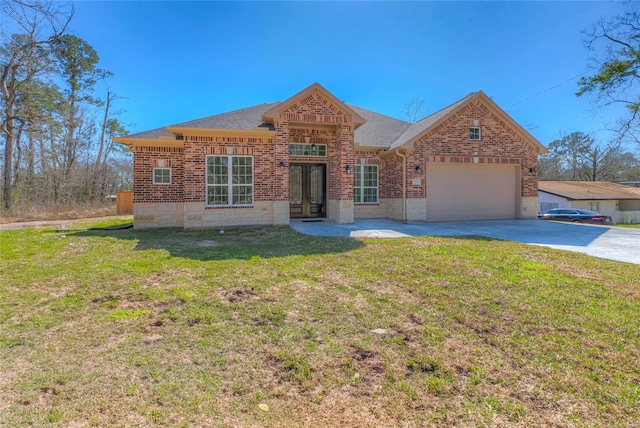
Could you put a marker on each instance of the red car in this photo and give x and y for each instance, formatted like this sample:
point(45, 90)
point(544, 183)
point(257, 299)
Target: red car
point(575, 215)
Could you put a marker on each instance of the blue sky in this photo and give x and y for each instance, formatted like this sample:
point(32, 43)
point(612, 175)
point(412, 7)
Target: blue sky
point(177, 61)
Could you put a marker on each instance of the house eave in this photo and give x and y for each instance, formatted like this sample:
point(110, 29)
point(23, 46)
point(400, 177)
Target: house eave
point(221, 132)
point(151, 142)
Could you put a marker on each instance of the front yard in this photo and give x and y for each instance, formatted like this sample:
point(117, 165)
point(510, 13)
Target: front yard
point(265, 327)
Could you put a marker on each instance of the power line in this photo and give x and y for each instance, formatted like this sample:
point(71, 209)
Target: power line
point(549, 89)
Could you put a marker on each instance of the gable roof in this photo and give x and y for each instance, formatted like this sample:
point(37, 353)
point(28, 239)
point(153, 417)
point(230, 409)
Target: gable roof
point(275, 111)
point(587, 190)
point(371, 129)
point(423, 126)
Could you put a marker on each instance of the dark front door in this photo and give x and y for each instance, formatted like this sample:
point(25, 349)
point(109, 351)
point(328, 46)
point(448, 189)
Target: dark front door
point(307, 190)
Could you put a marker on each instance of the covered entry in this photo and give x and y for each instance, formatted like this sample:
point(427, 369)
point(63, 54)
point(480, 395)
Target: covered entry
point(307, 189)
point(472, 192)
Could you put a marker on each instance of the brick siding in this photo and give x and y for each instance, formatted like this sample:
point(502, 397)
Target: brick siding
point(499, 144)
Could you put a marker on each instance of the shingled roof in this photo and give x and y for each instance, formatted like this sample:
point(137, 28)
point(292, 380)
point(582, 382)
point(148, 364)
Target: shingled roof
point(378, 130)
point(246, 119)
point(587, 190)
point(420, 126)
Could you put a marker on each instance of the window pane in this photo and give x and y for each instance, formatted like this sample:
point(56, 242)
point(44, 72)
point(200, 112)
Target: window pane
point(242, 195)
point(217, 195)
point(242, 171)
point(370, 175)
point(217, 170)
point(370, 195)
point(365, 184)
point(162, 175)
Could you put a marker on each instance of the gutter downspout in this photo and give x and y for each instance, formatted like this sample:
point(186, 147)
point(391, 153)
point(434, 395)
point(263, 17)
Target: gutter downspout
point(404, 185)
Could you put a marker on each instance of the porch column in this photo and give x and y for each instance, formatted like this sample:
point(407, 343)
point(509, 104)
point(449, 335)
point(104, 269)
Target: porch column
point(281, 176)
point(341, 209)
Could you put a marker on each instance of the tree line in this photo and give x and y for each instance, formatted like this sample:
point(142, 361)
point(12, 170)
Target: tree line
point(57, 134)
point(578, 156)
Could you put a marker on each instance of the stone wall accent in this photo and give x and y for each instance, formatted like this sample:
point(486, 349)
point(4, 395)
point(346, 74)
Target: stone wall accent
point(197, 216)
point(149, 215)
point(529, 207)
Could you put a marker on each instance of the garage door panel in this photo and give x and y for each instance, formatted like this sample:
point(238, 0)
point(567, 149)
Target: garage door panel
point(471, 192)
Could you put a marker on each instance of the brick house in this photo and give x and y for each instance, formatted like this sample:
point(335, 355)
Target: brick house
point(315, 156)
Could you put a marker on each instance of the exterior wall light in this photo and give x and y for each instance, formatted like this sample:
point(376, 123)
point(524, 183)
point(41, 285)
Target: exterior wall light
point(348, 168)
point(281, 165)
point(418, 169)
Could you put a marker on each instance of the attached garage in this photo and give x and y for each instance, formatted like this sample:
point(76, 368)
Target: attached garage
point(472, 192)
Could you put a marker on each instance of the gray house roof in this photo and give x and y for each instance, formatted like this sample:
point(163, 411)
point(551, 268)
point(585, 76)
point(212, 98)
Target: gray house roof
point(422, 125)
point(245, 119)
point(378, 130)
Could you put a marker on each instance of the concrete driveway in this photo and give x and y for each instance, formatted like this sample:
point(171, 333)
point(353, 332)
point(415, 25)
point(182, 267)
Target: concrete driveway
point(607, 242)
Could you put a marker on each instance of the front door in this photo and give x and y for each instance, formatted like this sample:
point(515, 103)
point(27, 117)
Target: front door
point(307, 189)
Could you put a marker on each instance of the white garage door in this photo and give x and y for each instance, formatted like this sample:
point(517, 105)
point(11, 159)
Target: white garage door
point(471, 192)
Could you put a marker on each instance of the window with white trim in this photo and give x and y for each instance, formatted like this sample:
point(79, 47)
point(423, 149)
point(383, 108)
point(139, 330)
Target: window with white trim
point(474, 133)
point(161, 175)
point(229, 180)
point(593, 206)
point(365, 184)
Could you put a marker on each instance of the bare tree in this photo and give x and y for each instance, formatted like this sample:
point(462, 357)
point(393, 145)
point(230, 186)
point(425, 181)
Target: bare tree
point(24, 56)
point(618, 78)
point(577, 156)
point(414, 109)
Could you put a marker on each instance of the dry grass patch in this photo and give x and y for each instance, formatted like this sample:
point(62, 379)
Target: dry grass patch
point(162, 328)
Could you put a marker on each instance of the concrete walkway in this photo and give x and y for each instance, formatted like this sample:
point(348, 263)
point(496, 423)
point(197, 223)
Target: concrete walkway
point(607, 242)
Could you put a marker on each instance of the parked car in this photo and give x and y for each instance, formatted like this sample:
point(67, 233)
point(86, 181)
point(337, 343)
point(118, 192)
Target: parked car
point(575, 215)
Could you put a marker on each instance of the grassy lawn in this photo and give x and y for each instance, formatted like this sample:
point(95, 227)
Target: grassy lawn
point(635, 226)
point(265, 327)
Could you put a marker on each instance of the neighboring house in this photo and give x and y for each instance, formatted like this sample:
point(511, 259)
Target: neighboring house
point(313, 156)
point(620, 202)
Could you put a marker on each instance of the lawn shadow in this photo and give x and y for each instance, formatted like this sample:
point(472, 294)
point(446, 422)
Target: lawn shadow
point(235, 243)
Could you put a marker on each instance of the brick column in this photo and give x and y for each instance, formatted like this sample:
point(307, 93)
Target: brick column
point(341, 209)
point(281, 179)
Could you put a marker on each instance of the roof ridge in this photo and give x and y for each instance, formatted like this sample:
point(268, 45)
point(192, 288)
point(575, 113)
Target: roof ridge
point(420, 126)
point(379, 114)
point(444, 108)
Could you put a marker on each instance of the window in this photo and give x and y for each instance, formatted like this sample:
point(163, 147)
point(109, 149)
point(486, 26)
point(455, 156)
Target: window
point(307, 149)
point(161, 175)
point(365, 179)
point(593, 206)
point(229, 180)
point(546, 206)
point(474, 133)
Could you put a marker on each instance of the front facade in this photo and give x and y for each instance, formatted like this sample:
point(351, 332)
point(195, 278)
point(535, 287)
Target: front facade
point(619, 202)
point(313, 156)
